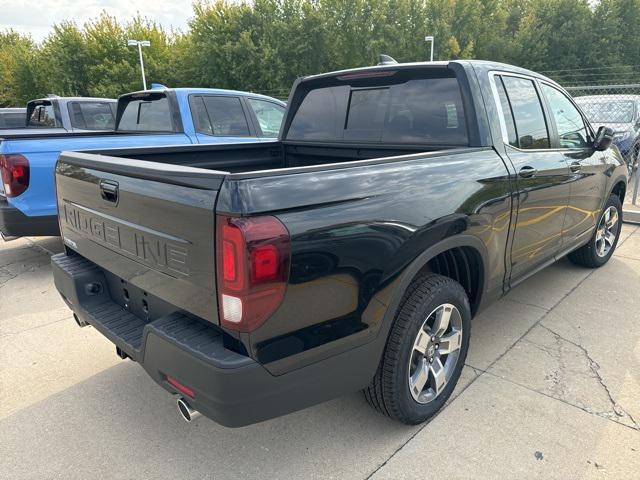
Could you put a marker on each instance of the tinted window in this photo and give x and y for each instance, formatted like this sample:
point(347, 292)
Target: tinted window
point(269, 116)
point(43, 116)
point(531, 127)
point(148, 114)
point(199, 114)
point(320, 115)
point(416, 111)
point(12, 119)
point(366, 114)
point(507, 113)
point(92, 115)
point(572, 132)
point(226, 116)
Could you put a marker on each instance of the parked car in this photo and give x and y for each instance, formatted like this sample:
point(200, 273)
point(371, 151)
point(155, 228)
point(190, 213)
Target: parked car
point(13, 118)
point(621, 113)
point(153, 117)
point(257, 279)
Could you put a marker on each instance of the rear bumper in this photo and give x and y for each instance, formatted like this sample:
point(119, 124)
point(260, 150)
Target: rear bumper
point(232, 389)
point(14, 223)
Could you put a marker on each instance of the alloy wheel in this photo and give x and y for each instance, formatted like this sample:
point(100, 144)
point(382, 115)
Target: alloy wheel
point(607, 231)
point(435, 353)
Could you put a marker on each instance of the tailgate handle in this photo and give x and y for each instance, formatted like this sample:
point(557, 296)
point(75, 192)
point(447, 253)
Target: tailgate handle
point(109, 190)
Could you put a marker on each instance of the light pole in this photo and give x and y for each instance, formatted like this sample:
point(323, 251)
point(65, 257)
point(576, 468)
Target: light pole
point(430, 39)
point(140, 44)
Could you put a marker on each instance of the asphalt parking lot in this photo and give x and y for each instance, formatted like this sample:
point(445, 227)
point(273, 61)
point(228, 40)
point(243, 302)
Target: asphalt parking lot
point(551, 389)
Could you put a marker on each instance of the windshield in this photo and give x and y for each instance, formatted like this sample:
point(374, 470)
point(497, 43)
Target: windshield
point(608, 112)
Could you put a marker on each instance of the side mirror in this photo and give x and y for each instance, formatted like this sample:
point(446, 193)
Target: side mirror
point(603, 140)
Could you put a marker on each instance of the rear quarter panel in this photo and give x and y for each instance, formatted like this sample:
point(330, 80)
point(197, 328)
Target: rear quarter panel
point(354, 233)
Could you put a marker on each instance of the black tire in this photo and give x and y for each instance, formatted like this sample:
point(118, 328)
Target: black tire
point(587, 255)
point(389, 391)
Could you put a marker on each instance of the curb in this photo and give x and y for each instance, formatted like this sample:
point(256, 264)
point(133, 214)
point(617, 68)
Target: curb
point(631, 216)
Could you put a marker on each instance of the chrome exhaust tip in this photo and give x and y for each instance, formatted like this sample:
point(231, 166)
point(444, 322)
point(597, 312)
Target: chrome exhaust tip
point(186, 412)
point(79, 322)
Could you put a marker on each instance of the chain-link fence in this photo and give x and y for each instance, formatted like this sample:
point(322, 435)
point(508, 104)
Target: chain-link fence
point(610, 96)
point(616, 106)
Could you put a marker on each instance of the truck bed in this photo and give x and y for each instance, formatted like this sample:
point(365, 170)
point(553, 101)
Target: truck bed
point(260, 156)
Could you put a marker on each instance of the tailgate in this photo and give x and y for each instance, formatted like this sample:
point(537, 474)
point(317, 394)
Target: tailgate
point(148, 223)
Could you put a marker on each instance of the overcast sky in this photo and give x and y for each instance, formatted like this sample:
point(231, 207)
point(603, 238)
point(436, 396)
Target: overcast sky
point(37, 17)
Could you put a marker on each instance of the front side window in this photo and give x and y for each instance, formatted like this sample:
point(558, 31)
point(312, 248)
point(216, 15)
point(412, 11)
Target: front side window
point(92, 115)
point(531, 127)
point(269, 116)
point(146, 113)
point(42, 116)
point(572, 132)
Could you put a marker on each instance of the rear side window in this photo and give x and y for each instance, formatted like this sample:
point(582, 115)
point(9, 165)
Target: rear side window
point(225, 116)
point(530, 124)
point(269, 116)
point(413, 112)
point(149, 113)
point(92, 115)
point(507, 114)
point(43, 116)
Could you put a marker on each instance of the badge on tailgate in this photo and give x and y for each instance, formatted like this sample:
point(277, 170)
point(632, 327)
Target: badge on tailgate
point(158, 250)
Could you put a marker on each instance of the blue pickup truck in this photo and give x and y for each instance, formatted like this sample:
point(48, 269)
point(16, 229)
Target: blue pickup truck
point(161, 116)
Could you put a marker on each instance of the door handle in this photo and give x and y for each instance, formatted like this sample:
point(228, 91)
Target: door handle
point(575, 167)
point(109, 190)
point(527, 171)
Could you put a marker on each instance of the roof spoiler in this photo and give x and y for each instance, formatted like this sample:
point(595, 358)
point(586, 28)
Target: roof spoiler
point(158, 86)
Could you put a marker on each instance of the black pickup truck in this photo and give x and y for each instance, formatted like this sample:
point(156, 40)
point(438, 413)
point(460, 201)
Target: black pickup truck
point(255, 279)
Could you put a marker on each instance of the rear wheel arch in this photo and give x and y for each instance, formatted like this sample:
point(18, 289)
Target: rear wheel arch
point(472, 247)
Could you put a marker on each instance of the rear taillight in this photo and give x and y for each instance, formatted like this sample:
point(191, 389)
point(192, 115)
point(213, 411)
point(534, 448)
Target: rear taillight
point(253, 257)
point(15, 174)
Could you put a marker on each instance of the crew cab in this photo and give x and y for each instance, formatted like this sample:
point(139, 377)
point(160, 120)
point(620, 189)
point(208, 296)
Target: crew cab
point(159, 116)
point(256, 279)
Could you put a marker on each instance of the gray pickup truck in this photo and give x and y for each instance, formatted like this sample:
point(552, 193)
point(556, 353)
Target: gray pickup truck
point(255, 279)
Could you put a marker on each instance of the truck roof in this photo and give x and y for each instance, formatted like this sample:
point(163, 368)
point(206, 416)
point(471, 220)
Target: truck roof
point(478, 64)
point(185, 91)
point(73, 99)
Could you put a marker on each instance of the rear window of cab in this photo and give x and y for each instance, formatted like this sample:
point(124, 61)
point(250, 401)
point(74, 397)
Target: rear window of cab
point(146, 112)
point(384, 109)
